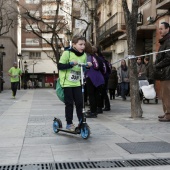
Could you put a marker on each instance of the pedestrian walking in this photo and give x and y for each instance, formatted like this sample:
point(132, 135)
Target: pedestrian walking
point(162, 70)
point(149, 70)
point(69, 74)
point(112, 83)
point(15, 74)
point(105, 72)
point(123, 76)
point(141, 69)
point(29, 84)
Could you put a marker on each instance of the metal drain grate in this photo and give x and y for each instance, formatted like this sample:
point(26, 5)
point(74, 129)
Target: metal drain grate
point(45, 166)
point(89, 165)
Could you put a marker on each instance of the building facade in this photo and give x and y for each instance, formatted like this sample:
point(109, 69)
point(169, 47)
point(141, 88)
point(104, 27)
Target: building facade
point(8, 38)
point(38, 56)
point(111, 30)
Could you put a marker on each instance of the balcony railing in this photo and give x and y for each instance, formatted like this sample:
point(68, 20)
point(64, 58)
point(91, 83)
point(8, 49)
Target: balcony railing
point(162, 4)
point(114, 24)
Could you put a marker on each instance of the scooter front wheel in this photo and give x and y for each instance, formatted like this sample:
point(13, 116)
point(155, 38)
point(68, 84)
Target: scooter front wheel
point(85, 131)
point(56, 124)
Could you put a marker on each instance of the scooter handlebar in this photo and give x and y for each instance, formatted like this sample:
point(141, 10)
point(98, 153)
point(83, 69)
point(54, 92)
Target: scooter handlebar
point(84, 64)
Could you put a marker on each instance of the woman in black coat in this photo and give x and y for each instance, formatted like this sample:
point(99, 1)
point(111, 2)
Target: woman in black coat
point(112, 83)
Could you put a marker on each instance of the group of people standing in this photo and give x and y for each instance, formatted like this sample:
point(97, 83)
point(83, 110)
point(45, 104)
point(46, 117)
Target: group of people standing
point(99, 77)
point(96, 78)
point(96, 72)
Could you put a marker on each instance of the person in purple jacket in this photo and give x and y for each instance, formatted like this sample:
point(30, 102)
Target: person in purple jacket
point(106, 70)
point(94, 81)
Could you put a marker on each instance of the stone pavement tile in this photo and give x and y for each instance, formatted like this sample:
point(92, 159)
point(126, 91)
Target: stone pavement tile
point(120, 129)
point(141, 138)
point(12, 131)
point(117, 149)
point(161, 155)
point(163, 136)
point(14, 120)
point(147, 127)
point(99, 151)
point(139, 156)
point(152, 168)
point(42, 141)
point(9, 156)
point(35, 154)
point(17, 112)
point(11, 142)
point(138, 168)
point(106, 139)
point(69, 152)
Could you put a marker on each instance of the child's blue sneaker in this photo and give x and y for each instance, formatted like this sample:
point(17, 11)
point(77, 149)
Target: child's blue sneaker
point(70, 127)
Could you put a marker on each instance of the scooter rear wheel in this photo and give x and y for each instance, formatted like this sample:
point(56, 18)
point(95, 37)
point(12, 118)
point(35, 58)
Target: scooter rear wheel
point(57, 124)
point(85, 131)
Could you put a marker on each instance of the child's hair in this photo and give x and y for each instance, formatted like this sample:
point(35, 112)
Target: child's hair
point(94, 49)
point(88, 47)
point(77, 38)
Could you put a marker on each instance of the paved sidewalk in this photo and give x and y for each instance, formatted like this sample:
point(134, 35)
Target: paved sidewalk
point(26, 134)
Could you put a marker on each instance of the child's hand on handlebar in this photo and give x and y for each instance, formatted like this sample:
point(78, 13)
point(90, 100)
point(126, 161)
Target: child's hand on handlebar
point(73, 63)
point(89, 64)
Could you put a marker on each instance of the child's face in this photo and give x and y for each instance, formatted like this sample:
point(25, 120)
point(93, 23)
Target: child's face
point(80, 45)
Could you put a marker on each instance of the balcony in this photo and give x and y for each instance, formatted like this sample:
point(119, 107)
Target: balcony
point(162, 4)
point(112, 28)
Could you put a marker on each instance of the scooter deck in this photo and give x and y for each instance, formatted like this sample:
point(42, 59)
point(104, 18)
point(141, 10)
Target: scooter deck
point(68, 131)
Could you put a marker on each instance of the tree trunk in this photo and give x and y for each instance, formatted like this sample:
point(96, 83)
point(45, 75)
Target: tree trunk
point(131, 26)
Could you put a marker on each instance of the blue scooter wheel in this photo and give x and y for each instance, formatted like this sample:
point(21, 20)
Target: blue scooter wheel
point(56, 124)
point(85, 131)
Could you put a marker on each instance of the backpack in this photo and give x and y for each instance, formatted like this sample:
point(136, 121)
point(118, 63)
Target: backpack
point(107, 67)
point(95, 63)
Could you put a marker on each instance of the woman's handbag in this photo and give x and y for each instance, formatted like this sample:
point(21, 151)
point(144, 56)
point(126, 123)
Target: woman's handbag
point(60, 91)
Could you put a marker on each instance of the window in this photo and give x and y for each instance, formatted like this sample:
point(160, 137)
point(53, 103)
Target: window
point(48, 39)
point(34, 27)
point(35, 13)
point(32, 1)
point(35, 55)
point(49, 10)
point(32, 42)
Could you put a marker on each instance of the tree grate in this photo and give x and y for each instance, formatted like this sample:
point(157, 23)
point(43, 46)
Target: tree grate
point(89, 165)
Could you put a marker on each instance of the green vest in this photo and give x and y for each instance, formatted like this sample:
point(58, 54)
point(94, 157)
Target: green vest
point(71, 77)
point(16, 72)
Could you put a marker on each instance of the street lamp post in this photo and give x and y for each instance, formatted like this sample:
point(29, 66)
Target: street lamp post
point(91, 5)
point(33, 82)
point(25, 71)
point(20, 66)
point(2, 53)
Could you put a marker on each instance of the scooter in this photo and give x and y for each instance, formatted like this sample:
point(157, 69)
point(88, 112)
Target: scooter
point(83, 129)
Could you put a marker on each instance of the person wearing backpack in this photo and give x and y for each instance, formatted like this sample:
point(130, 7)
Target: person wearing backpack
point(106, 70)
point(94, 81)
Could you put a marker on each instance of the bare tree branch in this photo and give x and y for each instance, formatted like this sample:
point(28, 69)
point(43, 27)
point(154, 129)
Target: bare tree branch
point(77, 18)
point(39, 25)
